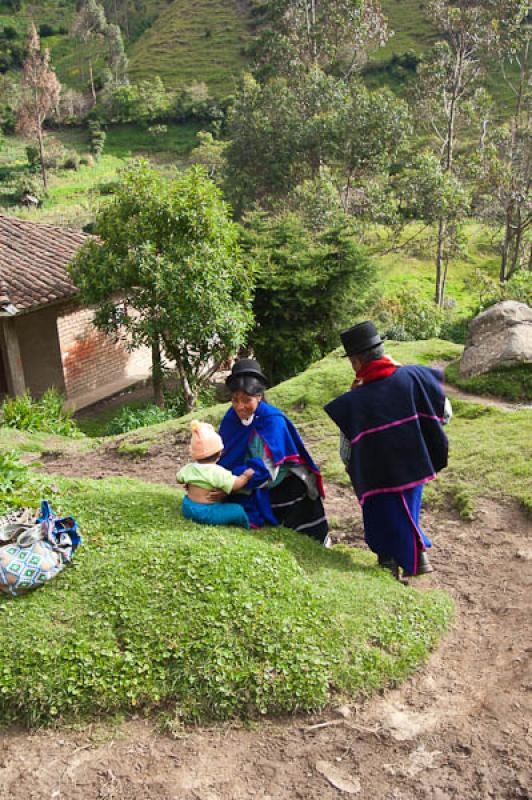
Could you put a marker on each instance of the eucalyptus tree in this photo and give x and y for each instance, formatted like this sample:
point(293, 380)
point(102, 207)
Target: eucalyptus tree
point(448, 80)
point(90, 26)
point(334, 35)
point(506, 163)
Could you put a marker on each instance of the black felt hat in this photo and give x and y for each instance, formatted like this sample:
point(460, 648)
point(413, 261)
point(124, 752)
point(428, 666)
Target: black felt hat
point(360, 338)
point(245, 367)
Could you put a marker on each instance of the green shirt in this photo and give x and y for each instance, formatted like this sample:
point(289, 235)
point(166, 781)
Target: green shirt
point(208, 476)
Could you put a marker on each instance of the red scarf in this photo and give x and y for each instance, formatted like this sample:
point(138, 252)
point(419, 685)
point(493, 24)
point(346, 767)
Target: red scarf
point(375, 370)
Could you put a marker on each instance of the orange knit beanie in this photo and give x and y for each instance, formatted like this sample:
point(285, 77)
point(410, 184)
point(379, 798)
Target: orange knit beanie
point(205, 442)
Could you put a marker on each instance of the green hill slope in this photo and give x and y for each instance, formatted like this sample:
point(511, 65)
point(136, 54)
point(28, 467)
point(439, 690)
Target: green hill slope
point(194, 42)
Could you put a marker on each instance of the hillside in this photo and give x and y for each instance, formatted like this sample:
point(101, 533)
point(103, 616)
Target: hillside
point(188, 42)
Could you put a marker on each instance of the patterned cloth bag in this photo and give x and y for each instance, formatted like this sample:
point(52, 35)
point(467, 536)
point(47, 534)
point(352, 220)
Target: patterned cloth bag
point(37, 552)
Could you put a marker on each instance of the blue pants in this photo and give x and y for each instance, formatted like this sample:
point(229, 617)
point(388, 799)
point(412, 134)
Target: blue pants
point(215, 513)
point(391, 526)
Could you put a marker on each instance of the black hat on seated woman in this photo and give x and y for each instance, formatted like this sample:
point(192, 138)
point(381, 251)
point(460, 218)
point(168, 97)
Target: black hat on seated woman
point(246, 372)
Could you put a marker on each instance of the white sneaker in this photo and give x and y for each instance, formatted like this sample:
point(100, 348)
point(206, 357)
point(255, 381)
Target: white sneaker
point(327, 542)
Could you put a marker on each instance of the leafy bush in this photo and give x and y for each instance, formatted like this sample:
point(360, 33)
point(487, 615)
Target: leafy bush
point(97, 138)
point(129, 419)
point(28, 190)
point(407, 316)
point(72, 161)
point(34, 158)
point(46, 414)
point(13, 474)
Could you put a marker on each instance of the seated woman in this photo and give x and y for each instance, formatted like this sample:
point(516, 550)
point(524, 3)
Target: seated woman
point(286, 488)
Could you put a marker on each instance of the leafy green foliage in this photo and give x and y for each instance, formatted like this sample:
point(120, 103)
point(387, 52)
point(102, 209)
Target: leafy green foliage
point(287, 131)
point(13, 475)
point(170, 250)
point(222, 623)
point(305, 285)
point(129, 419)
point(45, 414)
point(407, 315)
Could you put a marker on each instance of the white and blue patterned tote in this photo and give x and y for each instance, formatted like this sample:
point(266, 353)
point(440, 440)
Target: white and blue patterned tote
point(38, 553)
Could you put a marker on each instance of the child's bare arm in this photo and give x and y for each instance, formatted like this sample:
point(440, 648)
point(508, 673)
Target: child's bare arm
point(242, 480)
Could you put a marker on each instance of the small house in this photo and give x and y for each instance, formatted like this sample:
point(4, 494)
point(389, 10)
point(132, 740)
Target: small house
point(47, 338)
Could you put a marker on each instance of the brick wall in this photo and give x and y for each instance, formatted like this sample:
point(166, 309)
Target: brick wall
point(91, 360)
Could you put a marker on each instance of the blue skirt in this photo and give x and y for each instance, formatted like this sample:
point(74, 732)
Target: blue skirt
point(391, 526)
point(215, 513)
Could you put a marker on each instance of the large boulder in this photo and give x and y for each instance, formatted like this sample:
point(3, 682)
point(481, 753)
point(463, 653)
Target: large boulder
point(499, 337)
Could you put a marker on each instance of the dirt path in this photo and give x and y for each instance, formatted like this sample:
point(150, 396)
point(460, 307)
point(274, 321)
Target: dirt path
point(483, 400)
point(459, 729)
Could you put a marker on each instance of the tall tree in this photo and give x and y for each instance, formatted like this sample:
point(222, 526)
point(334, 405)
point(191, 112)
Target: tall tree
point(40, 91)
point(447, 80)
point(334, 35)
point(508, 165)
point(169, 250)
point(90, 26)
point(309, 284)
point(117, 59)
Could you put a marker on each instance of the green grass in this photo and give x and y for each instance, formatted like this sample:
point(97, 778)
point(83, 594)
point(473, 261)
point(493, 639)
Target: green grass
point(192, 42)
point(490, 450)
point(214, 622)
point(509, 383)
point(73, 196)
point(411, 29)
point(414, 266)
point(221, 622)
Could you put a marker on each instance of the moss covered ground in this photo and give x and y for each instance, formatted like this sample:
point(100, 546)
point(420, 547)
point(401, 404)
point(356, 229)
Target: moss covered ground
point(509, 383)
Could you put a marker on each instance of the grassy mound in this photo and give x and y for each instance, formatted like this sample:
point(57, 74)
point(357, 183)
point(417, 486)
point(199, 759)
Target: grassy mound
point(219, 622)
point(509, 383)
point(490, 449)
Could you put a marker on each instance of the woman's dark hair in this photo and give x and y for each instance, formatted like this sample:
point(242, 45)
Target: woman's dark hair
point(246, 383)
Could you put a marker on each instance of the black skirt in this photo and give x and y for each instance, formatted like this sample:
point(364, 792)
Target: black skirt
point(295, 509)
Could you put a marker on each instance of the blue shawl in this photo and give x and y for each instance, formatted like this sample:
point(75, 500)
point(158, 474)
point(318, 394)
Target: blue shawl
point(283, 444)
point(395, 428)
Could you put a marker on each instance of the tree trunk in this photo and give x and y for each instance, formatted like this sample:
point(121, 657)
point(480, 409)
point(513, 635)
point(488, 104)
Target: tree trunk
point(503, 272)
point(440, 266)
point(41, 156)
point(93, 89)
point(157, 372)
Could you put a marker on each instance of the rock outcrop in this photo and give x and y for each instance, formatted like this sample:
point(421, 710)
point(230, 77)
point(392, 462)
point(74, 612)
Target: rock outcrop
point(501, 336)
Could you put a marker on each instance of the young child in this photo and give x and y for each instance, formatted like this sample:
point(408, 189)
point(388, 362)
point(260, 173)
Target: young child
point(204, 474)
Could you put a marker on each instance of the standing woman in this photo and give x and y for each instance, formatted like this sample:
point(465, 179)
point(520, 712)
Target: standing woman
point(287, 488)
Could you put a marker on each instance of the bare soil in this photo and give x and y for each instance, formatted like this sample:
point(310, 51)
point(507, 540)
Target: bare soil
point(459, 729)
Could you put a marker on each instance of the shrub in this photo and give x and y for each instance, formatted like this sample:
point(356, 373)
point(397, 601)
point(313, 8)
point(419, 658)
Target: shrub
point(72, 161)
point(34, 158)
point(407, 316)
point(28, 190)
point(97, 138)
point(87, 160)
point(13, 475)
point(46, 414)
point(129, 419)
point(46, 30)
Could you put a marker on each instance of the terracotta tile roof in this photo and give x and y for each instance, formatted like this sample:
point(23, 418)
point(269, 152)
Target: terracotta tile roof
point(33, 260)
